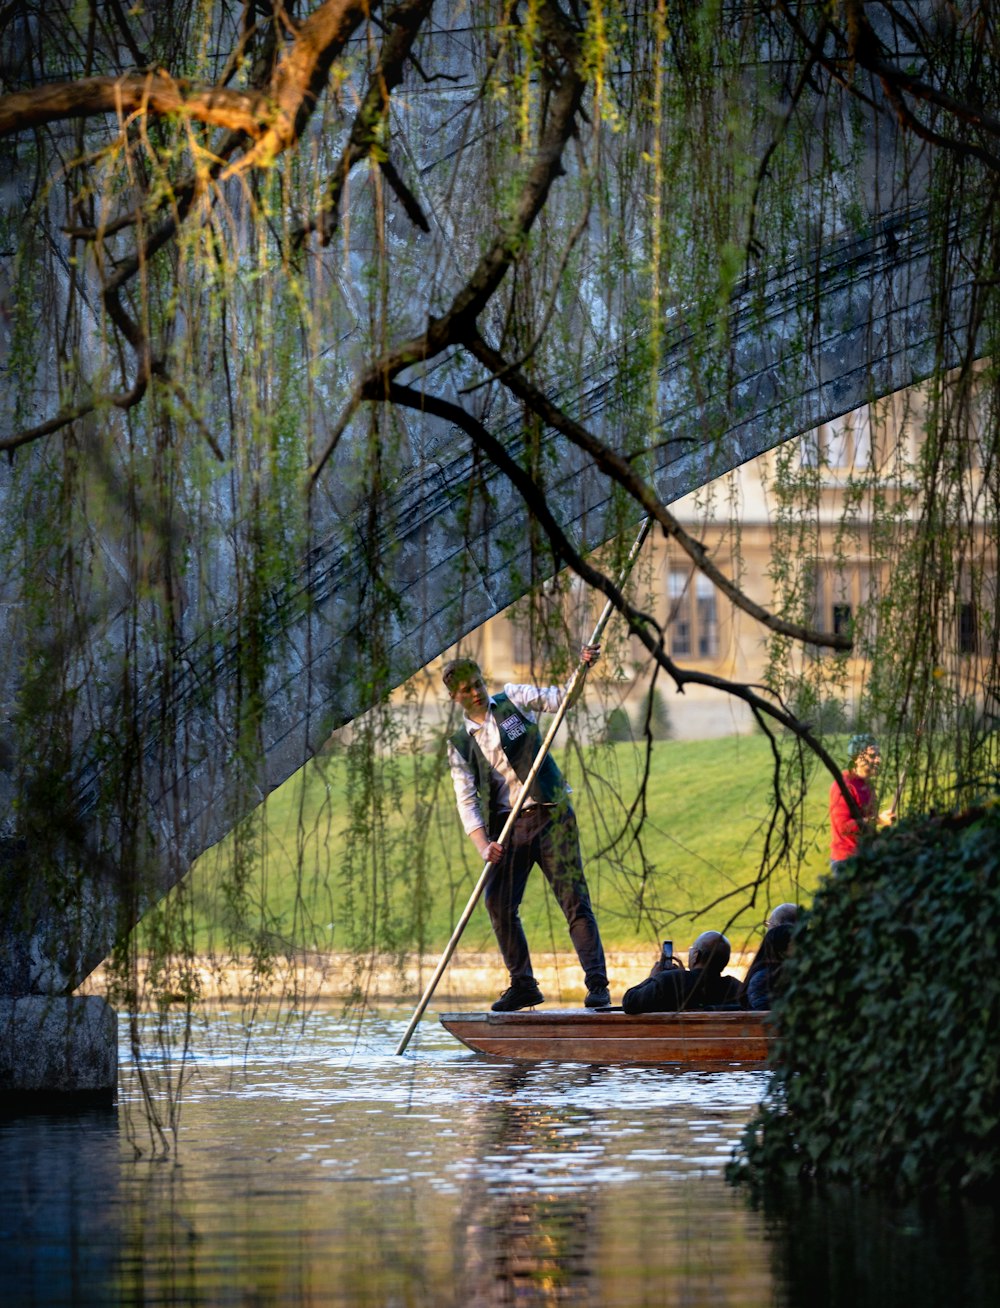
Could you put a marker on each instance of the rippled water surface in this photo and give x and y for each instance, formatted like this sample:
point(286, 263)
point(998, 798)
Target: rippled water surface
point(315, 1167)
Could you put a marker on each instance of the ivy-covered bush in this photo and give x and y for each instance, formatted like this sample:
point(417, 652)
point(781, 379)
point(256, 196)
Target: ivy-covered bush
point(888, 1068)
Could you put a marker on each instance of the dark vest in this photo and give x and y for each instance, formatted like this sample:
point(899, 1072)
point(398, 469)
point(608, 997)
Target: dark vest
point(520, 738)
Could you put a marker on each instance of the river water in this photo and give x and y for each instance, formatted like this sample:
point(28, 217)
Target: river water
point(311, 1166)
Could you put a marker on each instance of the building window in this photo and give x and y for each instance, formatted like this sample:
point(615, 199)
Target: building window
point(968, 635)
point(694, 619)
point(841, 619)
point(537, 622)
point(708, 618)
point(843, 444)
point(680, 623)
point(843, 599)
point(521, 642)
point(835, 442)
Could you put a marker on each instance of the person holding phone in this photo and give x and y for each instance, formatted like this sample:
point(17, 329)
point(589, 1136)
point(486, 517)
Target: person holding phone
point(670, 988)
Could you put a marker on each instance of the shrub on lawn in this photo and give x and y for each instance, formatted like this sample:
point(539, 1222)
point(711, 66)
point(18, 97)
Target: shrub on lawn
point(618, 728)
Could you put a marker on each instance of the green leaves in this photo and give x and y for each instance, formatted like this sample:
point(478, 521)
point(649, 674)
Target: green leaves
point(889, 1074)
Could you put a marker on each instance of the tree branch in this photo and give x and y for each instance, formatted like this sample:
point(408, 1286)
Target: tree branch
point(124, 400)
point(301, 76)
point(639, 623)
point(274, 117)
point(621, 471)
point(407, 19)
point(864, 49)
point(454, 326)
point(156, 93)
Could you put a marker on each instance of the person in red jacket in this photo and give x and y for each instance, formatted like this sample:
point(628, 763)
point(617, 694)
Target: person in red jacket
point(864, 760)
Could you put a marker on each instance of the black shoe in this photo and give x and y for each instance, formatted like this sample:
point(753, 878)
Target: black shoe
point(523, 993)
point(598, 997)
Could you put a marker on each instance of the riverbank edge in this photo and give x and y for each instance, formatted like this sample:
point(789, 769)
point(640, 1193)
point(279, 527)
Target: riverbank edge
point(376, 978)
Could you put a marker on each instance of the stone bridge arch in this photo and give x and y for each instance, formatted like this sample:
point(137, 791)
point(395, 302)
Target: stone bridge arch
point(875, 334)
point(854, 320)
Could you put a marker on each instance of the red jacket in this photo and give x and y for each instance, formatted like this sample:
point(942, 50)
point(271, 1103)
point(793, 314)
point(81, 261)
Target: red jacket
point(843, 828)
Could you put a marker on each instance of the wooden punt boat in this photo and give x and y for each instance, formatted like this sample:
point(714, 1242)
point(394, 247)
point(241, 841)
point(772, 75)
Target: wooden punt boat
point(580, 1035)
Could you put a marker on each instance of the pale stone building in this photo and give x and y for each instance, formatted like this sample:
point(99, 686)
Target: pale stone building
point(736, 520)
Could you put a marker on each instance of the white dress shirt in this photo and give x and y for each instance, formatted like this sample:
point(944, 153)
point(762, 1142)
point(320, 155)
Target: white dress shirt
point(531, 700)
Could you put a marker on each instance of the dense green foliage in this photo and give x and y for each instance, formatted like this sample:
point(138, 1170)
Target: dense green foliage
point(888, 1073)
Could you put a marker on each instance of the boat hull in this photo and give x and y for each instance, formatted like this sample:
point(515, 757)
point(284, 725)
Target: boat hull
point(696, 1039)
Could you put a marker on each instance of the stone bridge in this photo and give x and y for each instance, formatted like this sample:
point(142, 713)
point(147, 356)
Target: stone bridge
point(852, 321)
point(875, 334)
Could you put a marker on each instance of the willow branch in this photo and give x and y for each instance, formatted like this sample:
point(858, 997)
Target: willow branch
point(865, 50)
point(805, 74)
point(640, 624)
point(407, 19)
point(126, 33)
point(301, 76)
point(456, 324)
point(182, 194)
point(404, 195)
point(909, 119)
point(156, 93)
point(273, 116)
point(70, 414)
point(350, 408)
point(620, 470)
point(552, 305)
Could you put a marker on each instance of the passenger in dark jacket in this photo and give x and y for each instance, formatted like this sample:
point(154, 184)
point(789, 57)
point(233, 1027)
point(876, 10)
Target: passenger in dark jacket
point(701, 986)
point(764, 972)
point(783, 913)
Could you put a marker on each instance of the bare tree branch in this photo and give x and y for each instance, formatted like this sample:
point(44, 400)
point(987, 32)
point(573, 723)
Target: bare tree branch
point(407, 19)
point(274, 117)
point(301, 76)
point(864, 49)
point(621, 470)
point(640, 624)
point(456, 323)
point(155, 93)
point(404, 195)
point(62, 419)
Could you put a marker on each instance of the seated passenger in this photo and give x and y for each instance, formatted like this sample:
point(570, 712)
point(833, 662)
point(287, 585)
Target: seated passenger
point(763, 973)
point(702, 986)
point(782, 914)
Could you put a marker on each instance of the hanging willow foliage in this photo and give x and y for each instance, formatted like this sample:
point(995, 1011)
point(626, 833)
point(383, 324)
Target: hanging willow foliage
point(330, 331)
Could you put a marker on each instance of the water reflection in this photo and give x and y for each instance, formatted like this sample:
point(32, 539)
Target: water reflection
point(316, 1168)
point(60, 1207)
point(524, 1235)
point(849, 1248)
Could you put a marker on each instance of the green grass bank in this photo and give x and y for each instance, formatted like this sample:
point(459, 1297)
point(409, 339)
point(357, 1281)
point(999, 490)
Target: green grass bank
point(344, 858)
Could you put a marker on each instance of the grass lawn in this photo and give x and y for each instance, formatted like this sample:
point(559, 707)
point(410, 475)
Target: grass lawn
point(312, 873)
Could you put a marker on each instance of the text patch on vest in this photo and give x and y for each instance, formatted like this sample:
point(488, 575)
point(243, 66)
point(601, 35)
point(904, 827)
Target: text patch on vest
point(513, 727)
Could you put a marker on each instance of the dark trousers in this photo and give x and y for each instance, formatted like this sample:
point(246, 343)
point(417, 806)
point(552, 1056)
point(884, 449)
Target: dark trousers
point(546, 835)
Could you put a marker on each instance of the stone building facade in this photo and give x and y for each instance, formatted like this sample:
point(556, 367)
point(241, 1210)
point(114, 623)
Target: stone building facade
point(735, 518)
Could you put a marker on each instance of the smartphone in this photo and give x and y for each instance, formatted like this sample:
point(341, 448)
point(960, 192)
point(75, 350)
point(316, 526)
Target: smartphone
point(668, 951)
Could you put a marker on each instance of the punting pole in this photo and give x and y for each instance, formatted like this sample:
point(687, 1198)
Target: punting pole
point(579, 672)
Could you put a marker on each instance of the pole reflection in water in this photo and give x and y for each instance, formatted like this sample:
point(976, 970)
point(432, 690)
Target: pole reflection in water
point(317, 1168)
point(521, 1235)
